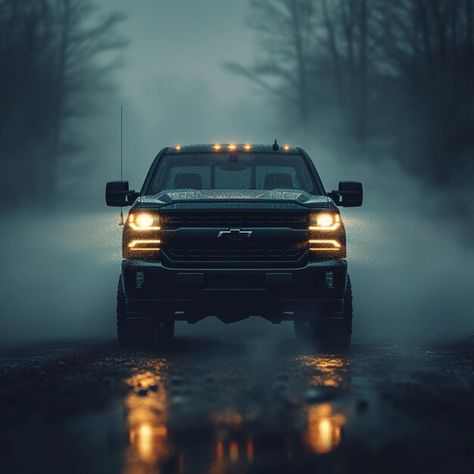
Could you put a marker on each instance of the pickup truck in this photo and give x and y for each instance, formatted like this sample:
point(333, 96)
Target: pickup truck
point(234, 231)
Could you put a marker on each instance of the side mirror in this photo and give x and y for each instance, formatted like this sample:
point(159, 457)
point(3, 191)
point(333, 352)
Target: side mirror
point(349, 194)
point(117, 194)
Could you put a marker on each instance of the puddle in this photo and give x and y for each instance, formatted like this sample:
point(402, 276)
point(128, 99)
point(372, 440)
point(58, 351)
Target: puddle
point(169, 427)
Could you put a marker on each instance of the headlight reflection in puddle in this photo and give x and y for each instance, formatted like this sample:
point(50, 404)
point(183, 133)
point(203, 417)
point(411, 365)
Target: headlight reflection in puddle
point(146, 418)
point(232, 445)
point(324, 426)
point(161, 438)
point(328, 375)
point(329, 371)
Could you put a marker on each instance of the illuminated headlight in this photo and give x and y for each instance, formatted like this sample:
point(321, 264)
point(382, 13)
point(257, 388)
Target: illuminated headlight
point(325, 221)
point(144, 221)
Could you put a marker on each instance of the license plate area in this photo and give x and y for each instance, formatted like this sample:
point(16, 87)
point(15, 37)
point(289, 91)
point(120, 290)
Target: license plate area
point(235, 280)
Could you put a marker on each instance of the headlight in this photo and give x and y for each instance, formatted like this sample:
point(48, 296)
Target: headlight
point(143, 221)
point(325, 221)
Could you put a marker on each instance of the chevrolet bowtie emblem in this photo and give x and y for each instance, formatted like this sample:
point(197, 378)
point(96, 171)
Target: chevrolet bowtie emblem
point(235, 234)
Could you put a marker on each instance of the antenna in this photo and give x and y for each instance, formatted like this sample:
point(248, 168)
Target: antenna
point(276, 147)
point(121, 158)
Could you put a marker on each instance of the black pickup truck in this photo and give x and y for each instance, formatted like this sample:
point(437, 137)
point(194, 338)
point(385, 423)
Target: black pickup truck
point(234, 231)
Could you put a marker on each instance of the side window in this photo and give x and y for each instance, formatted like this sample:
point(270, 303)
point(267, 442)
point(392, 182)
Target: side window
point(201, 171)
point(303, 179)
point(166, 177)
point(264, 171)
point(235, 179)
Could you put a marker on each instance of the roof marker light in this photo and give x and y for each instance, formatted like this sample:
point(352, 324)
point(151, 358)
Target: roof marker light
point(286, 147)
point(232, 147)
point(177, 147)
point(217, 147)
point(247, 147)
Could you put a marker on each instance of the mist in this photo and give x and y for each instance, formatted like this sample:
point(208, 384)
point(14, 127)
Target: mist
point(409, 248)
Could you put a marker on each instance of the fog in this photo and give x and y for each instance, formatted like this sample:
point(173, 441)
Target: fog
point(410, 252)
point(412, 274)
point(174, 87)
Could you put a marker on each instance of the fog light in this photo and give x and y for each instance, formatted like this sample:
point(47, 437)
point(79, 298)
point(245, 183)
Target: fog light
point(139, 279)
point(330, 280)
point(330, 245)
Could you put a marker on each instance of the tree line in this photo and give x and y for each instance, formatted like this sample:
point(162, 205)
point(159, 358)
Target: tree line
point(55, 57)
point(394, 72)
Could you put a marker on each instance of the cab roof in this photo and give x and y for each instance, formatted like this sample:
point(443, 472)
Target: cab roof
point(232, 147)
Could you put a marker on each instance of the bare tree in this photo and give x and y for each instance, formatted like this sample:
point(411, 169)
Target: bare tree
point(55, 57)
point(286, 33)
point(401, 71)
point(84, 63)
point(426, 45)
point(300, 41)
point(346, 42)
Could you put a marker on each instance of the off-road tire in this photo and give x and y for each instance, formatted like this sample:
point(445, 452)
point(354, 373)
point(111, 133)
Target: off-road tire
point(154, 333)
point(328, 333)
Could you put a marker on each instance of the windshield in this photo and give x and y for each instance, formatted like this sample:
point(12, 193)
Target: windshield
point(205, 171)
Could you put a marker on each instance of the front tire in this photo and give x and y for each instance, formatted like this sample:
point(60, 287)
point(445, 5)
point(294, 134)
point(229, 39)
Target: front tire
point(149, 333)
point(330, 333)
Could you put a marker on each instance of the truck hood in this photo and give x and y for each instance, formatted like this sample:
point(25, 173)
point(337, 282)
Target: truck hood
point(166, 198)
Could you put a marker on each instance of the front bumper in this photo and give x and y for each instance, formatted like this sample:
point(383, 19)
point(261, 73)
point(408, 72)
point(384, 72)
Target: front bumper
point(154, 290)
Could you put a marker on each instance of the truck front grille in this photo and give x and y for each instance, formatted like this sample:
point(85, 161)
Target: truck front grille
point(233, 255)
point(236, 220)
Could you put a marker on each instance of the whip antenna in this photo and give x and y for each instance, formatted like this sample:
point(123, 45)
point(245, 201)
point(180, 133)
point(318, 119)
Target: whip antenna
point(121, 158)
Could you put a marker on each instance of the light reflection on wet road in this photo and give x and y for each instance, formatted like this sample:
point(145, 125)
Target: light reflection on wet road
point(168, 415)
point(219, 406)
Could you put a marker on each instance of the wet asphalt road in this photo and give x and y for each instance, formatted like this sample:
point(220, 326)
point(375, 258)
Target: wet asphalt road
point(218, 405)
